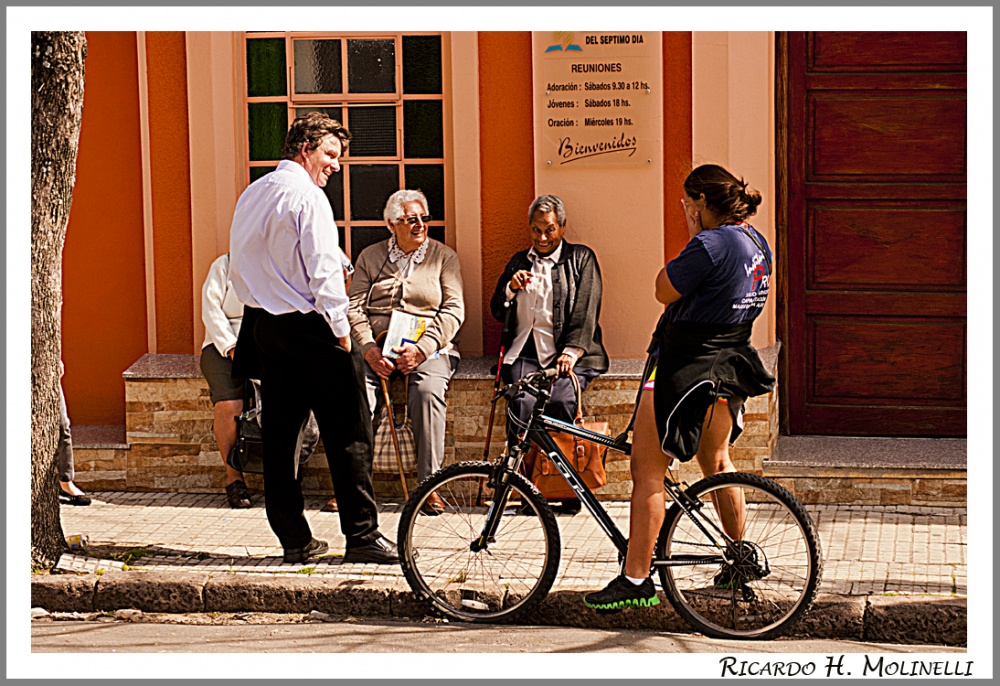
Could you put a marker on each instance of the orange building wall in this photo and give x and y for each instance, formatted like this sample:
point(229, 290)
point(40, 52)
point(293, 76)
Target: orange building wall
point(676, 137)
point(171, 190)
point(506, 158)
point(104, 291)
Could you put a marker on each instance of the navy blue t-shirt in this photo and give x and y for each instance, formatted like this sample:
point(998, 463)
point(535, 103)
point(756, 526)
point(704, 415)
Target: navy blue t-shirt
point(722, 275)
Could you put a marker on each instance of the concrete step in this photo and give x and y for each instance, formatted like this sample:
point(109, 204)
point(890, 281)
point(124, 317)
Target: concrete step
point(860, 470)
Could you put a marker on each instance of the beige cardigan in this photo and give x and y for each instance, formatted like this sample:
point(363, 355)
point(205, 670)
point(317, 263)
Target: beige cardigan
point(433, 289)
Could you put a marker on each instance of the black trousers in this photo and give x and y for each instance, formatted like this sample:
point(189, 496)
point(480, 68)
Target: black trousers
point(303, 368)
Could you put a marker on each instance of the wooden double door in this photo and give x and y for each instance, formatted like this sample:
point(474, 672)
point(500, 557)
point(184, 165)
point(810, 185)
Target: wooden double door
point(872, 232)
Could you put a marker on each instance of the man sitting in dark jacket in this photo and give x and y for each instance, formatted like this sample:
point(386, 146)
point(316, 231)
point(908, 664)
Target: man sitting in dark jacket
point(554, 321)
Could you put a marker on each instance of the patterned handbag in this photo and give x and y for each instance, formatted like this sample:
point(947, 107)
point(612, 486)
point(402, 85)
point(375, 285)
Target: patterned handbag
point(386, 449)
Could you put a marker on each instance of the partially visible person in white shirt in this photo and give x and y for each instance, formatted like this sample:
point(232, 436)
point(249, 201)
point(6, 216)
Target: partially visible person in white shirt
point(552, 292)
point(285, 265)
point(222, 313)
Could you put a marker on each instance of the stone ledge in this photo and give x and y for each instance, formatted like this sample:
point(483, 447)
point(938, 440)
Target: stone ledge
point(64, 592)
point(161, 366)
point(96, 437)
point(886, 619)
point(158, 366)
point(151, 592)
point(266, 593)
point(917, 620)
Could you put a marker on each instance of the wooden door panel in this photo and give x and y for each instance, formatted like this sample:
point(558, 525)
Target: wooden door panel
point(888, 51)
point(887, 135)
point(852, 420)
point(880, 361)
point(944, 305)
point(872, 191)
point(861, 245)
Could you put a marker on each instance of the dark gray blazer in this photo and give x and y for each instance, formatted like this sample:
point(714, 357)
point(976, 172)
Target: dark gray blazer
point(576, 303)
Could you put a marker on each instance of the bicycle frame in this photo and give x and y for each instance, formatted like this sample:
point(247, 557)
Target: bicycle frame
point(537, 432)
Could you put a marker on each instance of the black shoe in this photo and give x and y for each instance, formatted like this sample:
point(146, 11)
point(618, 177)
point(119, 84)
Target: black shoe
point(238, 495)
point(70, 499)
point(314, 547)
point(622, 593)
point(570, 507)
point(381, 551)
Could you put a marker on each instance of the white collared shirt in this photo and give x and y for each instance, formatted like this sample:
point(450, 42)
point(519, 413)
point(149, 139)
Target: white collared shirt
point(534, 311)
point(284, 248)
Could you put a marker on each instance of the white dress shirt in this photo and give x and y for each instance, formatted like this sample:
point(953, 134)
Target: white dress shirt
point(284, 248)
point(221, 310)
point(534, 311)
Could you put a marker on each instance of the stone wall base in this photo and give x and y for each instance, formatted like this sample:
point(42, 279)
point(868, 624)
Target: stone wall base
point(168, 444)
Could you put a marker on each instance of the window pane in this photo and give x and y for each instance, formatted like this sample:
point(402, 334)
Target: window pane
point(371, 66)
point(422, 124)
point(318, 67)
point(371, 186)
point(422, 64)
point(266, 67)
point(268, 124)
point(428, 178)
point(334, 190)
point(373, 131)
point(363, 236)
point(257, 172)
point(436, 232)
point(333, 112)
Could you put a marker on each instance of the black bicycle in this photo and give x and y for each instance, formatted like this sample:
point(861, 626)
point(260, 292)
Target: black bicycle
point(493, 554)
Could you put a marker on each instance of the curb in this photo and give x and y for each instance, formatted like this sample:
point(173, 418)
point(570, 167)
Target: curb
point(930, 620)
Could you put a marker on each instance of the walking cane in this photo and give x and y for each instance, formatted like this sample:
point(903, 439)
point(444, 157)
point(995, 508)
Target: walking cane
point(496, 386)
point(391, 418)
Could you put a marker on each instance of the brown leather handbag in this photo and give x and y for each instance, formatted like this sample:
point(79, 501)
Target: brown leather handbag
point(586, 457)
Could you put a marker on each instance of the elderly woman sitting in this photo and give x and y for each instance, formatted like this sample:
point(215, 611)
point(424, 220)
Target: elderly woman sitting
point(412, 273)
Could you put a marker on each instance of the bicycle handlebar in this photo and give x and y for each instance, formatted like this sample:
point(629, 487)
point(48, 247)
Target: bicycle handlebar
point(526, 382)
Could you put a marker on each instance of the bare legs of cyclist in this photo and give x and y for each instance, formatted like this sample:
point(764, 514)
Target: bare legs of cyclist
point(647, 507)
point(649, 465)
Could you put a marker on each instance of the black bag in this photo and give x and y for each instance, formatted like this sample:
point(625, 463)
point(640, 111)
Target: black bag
point(247, 454)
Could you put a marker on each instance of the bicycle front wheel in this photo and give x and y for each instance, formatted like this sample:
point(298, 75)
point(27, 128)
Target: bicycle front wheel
point(462, 577)
point(753, 587)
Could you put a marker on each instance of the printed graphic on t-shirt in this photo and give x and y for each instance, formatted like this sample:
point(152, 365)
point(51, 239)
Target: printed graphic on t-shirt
point(723, 276)
point(756, 271)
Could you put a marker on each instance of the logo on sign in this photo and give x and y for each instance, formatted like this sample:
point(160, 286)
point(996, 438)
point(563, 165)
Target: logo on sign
point(563, 43)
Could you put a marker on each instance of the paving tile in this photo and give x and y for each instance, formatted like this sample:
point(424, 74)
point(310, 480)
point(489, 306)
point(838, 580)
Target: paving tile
point(867, 549)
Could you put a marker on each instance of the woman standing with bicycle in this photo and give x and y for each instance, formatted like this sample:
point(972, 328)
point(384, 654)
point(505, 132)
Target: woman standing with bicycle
point(706, 369)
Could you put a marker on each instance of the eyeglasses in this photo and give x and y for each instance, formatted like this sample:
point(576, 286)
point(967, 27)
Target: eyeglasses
point(548, 232)
point(412, 221)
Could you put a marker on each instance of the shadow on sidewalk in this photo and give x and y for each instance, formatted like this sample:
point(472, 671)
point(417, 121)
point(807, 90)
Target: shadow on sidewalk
point(217, 501)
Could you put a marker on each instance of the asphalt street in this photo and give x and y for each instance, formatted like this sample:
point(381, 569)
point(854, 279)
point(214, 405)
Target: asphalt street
point(354, 636)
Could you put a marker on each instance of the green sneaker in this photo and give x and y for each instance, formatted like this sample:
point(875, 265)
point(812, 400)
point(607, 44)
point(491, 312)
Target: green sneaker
point(622, 593)
point(726, 579)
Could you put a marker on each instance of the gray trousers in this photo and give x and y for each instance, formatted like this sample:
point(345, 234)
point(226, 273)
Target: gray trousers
point(426, 386)
point(64, 448)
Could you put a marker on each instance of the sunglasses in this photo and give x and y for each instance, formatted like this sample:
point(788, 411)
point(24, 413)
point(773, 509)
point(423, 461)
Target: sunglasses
point(412, 221)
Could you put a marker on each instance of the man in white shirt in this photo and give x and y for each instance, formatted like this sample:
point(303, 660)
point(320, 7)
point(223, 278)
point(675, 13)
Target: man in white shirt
point(286, 268)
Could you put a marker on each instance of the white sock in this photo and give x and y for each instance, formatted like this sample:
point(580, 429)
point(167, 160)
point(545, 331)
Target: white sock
point(637, 582)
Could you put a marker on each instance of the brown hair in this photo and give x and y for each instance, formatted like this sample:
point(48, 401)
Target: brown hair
point(310, 129)
point(725, 195)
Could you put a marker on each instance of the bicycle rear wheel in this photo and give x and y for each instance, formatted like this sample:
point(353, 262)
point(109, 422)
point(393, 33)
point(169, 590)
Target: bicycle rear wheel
point(503, 580)
point(776, 561)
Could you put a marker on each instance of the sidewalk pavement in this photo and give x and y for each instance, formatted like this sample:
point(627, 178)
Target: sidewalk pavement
point(893, 573)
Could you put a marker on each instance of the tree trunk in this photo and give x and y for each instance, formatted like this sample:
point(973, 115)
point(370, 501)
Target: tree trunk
point(56, 110)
